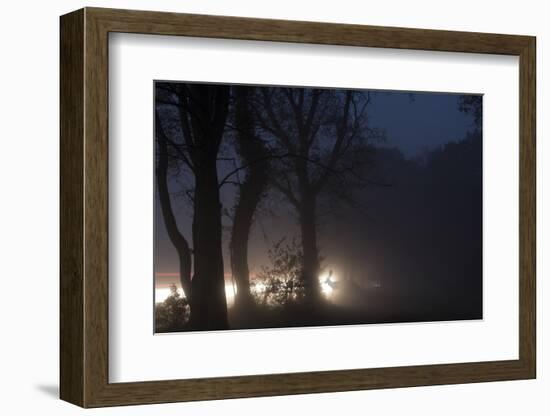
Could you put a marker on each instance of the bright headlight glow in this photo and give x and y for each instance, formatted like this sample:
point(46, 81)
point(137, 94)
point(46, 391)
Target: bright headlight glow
point(326, 288)
point(328, 284)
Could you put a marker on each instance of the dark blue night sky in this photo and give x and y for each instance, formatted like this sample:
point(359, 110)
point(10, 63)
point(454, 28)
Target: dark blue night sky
point(418, 122)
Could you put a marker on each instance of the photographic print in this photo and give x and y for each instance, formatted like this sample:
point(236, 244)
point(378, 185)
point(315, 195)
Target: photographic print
point(281, 206)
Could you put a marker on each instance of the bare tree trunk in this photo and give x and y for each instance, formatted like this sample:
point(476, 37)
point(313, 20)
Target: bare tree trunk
point(177, 239)
point(251, 193)
point(203, 120)
point(311, 263)
point(209, 305)
point(254, 154)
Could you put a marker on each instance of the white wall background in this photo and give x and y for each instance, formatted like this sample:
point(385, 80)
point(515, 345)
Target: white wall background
point(29, 208)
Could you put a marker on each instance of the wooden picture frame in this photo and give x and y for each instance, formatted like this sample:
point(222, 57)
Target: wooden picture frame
point(84, 207)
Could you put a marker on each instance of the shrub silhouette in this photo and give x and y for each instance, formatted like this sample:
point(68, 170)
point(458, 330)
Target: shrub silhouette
point(172, 315)
point(281, 282)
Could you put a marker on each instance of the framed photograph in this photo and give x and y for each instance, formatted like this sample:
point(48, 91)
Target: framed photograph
point(260, 207)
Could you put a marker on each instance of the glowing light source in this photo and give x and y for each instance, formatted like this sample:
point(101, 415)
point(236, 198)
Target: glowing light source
point(326, 289)
point(230, 292)
point(259, 287)
point(328, 284)
point(162, 293)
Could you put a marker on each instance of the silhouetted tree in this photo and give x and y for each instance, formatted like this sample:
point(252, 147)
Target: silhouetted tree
point(254, 161)
point(472, 104)
point(312, 130)
point(176, 237)
point(201, 113)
